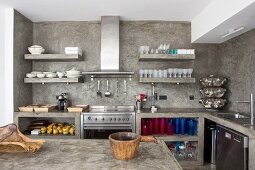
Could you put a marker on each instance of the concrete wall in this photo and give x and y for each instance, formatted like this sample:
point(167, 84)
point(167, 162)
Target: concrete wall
point(54, 36)
point(237, 62)
point(1, 65)
point(23, 38)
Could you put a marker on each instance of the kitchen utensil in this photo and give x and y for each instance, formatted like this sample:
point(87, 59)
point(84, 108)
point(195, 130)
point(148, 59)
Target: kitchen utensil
point(98, 89)
point(36, 49)
point(125, 145)
point(125, 87)
point(107, 93)
point(213, 80)
point(117, 88)
point(62, 101)
point(217, 92)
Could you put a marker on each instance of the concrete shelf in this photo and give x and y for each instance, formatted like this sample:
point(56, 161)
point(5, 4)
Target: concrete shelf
point(164, 57)
point(167, 80)
point(53, 57)
point(53, 80)
point(23, 120)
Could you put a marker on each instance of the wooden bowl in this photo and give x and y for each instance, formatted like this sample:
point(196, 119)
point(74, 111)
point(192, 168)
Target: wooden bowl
point(125, 145)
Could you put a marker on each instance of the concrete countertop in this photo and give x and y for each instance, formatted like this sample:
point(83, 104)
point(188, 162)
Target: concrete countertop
point(214, 116)
point(88, 154)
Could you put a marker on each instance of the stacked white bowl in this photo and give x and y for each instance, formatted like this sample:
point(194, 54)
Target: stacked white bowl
point(73, 73)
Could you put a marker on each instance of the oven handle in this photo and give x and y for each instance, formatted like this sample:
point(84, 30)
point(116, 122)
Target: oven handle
point(106, 126)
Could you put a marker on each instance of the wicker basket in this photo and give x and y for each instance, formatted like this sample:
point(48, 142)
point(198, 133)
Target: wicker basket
point(125, 145)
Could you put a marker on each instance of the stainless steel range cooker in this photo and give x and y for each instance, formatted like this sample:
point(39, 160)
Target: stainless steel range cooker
point(100, 121)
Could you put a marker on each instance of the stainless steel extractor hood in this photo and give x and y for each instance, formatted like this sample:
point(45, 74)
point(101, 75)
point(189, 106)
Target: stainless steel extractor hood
point(109, 48)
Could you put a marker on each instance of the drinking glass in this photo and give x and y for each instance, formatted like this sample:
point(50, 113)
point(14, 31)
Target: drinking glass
point(160, 73)
point(175, 72)
point(165, 73)
point(155, 73)
point(141, 49)
point(150, 72)
point(170, 72)
point(146, 73)
point(190, 70)
point(141, 72)
point(177, 126)
point(156, 125)
point(185, 71)
point(179, 71)
point(183, 126)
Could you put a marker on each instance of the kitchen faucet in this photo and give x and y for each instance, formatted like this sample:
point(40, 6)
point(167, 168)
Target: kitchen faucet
point(251, 106)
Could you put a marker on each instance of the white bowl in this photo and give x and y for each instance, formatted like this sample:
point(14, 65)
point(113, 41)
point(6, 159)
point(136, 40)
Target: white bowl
point(30, 75)
point(51, 75)
point(73, 75)
point(47, 72)
point(41, 75)
point(73, 71)
point(36, 72)
point(36, 49)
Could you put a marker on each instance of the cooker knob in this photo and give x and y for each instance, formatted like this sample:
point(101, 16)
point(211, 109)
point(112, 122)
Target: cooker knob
point(119, 119)
point(123, 119)
point(89, 118)
point(95, 118)
point(110, 119)
point(127, 119)
point(102, 119)
point(114, 119)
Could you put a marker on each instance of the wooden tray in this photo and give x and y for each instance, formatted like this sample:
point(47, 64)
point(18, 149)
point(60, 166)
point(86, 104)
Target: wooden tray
point(29, 108)
point(77, 108)
point(45, 108)
point(17, 142)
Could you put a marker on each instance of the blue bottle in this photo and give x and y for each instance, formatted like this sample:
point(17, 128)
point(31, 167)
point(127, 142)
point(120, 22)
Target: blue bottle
point(191, 127)
point(183, 126)
point(177, 126)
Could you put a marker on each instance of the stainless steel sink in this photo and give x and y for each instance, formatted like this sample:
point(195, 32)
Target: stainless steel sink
point(233, 116)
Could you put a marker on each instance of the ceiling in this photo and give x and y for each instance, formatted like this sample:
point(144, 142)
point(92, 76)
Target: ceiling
point(91, 10)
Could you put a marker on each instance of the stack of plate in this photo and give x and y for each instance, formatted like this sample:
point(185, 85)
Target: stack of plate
point(73, 50)
point(73, 73)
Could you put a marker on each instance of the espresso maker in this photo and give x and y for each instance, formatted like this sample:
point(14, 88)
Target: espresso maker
point(62, 101)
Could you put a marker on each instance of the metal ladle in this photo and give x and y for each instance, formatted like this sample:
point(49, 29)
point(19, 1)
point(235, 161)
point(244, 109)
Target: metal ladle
point(98, 89)
point(107, 93)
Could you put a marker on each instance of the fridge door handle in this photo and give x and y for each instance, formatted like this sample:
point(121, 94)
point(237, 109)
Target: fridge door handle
point(227, 135)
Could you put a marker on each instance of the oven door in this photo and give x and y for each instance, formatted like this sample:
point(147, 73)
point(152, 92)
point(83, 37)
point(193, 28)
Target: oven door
point(102, 131)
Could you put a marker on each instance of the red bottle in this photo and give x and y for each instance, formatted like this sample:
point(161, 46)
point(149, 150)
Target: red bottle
point(156, 125)
point(162, 126)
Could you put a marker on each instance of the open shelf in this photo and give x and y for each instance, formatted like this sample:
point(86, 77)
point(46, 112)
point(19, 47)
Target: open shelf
point(167, 80)
point(54, 80)
point(158, 57)
point(170, 138)
point(53, 57)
